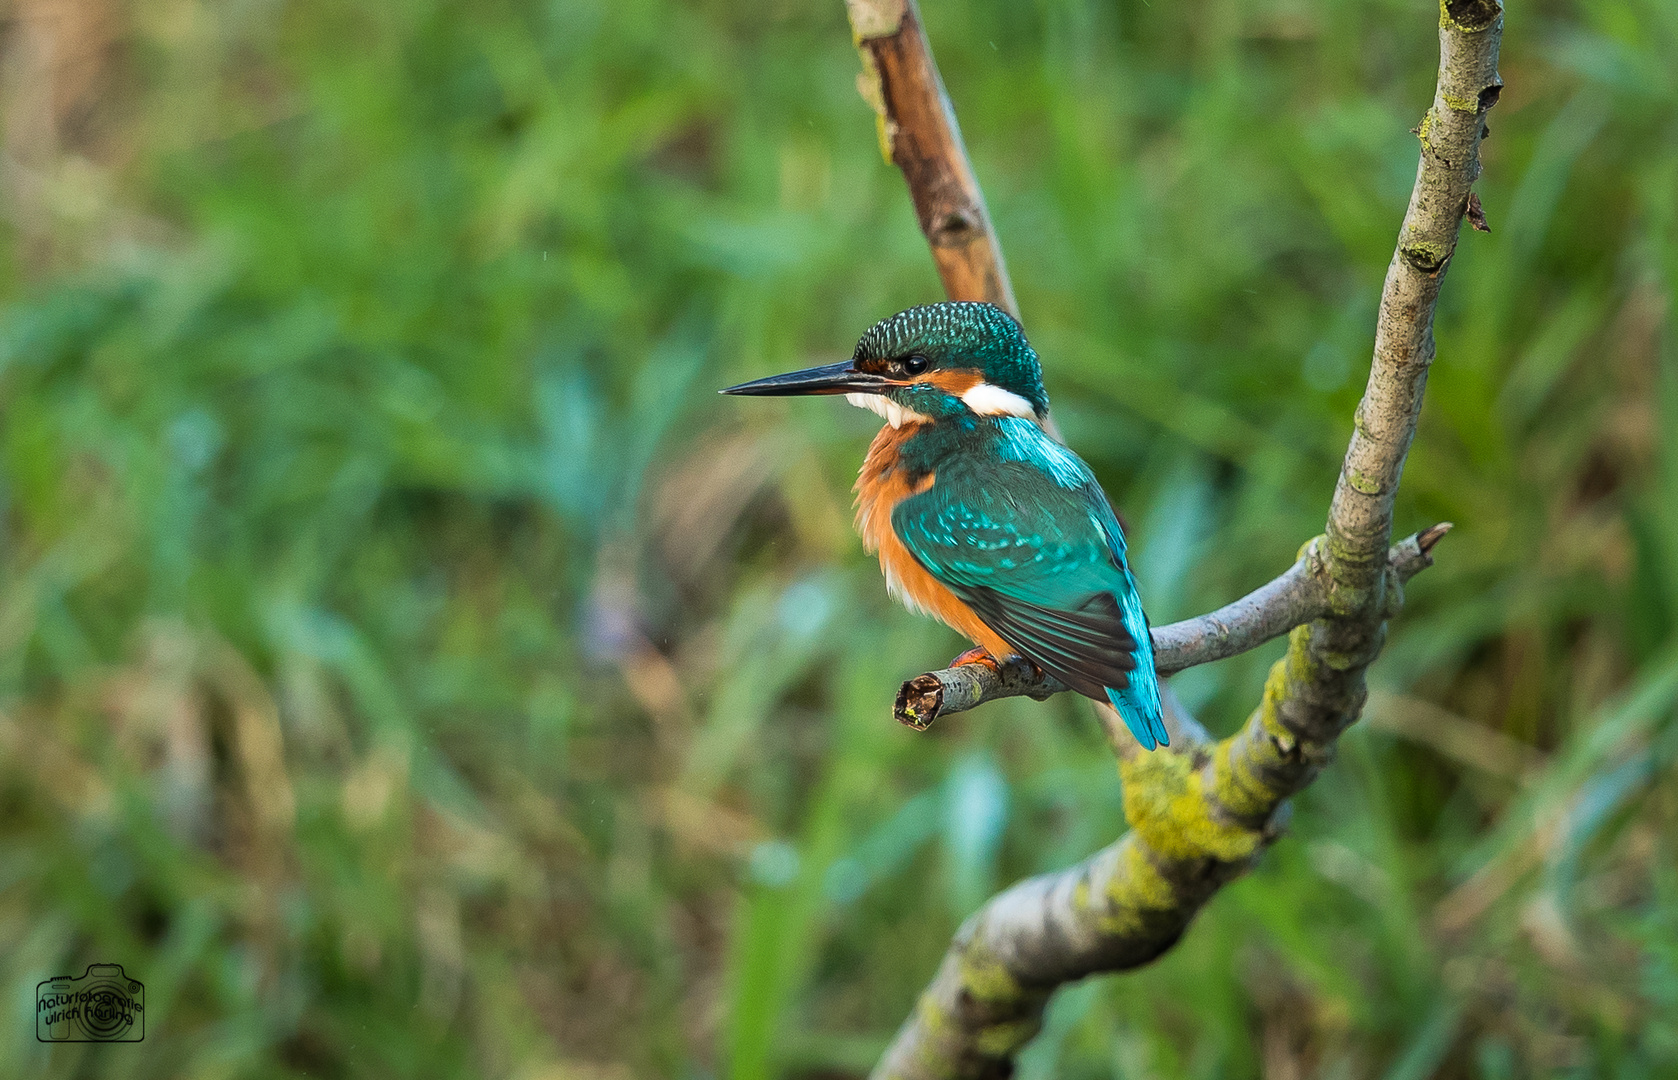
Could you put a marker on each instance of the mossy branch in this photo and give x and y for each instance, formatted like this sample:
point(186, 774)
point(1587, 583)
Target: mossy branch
point(1200, 812)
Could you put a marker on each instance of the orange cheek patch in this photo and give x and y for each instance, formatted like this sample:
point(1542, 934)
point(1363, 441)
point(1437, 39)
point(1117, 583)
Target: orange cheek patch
point(958, 381)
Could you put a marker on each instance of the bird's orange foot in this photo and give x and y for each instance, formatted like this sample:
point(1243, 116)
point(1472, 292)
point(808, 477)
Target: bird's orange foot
point(977, 656)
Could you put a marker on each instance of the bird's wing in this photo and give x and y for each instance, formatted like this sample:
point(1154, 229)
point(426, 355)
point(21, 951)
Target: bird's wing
point(1035, 550)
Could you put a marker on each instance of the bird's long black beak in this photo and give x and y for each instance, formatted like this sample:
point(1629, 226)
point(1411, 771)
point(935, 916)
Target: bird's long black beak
point(841, 378)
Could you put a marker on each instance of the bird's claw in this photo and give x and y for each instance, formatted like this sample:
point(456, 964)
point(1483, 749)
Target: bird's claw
point(977, 655)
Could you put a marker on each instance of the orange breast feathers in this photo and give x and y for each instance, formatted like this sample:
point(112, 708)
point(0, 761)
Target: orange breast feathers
point(880, 487)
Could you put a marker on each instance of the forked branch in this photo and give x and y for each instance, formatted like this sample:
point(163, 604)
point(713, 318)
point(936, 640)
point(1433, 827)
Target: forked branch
point(1200, 813)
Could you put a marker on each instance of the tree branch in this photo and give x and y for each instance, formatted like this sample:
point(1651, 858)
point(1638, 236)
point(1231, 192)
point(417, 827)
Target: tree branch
point(1199, 813)
point(918, 134)
point(1299, 595)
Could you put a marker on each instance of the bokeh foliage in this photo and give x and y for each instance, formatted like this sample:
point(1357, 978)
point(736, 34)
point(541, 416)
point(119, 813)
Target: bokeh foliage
point(409, 667)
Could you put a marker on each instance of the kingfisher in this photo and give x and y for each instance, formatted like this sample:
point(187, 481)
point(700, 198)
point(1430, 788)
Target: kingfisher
point(981, 519)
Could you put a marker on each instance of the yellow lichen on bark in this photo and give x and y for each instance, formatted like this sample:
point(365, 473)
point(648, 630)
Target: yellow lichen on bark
point(1166, 802)
point(1135, 886)
point(1001, 1040)
point(1237, 783)
point(987, 978)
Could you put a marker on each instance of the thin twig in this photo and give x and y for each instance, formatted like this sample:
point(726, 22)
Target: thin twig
point(1299, 595)
point(1199, 813)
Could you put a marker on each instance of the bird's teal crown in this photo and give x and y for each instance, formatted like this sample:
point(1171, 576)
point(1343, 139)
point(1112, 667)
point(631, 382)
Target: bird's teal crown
point(952, 337)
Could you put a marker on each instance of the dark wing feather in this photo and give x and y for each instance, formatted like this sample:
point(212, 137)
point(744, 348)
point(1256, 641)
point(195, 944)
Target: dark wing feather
point(1088, 649)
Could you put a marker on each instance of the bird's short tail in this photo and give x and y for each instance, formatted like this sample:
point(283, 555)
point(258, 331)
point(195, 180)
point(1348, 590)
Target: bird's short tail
point(1140, 708)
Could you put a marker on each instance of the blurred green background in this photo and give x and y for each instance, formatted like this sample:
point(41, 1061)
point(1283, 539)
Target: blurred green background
point(409, 667)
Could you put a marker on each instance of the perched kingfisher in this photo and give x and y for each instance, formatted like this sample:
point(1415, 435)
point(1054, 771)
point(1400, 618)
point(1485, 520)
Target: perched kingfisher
point(982, 520)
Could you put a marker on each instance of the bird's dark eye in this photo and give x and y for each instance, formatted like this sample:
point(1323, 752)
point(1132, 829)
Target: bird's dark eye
point(916, 364)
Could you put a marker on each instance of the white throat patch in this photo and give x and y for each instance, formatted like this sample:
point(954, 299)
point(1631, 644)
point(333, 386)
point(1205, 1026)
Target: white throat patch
point(895, 414)
point(988, 399)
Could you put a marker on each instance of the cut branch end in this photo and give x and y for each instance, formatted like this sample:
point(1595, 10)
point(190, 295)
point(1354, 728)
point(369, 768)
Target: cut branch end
point(919, 701)
point(1431, 536)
